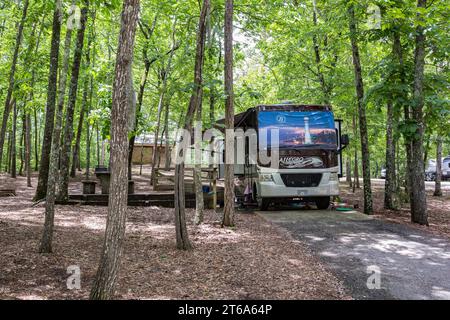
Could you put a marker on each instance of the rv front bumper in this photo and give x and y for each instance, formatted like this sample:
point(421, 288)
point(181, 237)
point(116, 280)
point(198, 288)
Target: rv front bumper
point(279, 187)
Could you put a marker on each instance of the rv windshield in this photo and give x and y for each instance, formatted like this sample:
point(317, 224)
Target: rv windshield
point(299, 129)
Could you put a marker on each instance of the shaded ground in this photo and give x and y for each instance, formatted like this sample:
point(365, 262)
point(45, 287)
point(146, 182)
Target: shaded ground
point(413, 264)
point(438, 207)
point(254, 261)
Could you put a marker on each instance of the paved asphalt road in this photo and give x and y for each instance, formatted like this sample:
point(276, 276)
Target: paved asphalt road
point(413, 264)
point(428, 184)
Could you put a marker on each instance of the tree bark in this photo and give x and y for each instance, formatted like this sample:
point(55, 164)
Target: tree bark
point(47, 234)
point(13, 142)
point(165, 74)
point(22, 145)
point(183, 242)
point(11, 82)
point(368, 209)
point(356, 184)
point(36, 140)
point(166, 136)
point(198, 184)
point(320, 75)
point(28, 148)
point(148, 32)
point(228, 214)
point(105, 280)
point(83, 111)
point(51, 101)
point(417, 175)
point(437, 185)
point(63, 184)
point(389, 185)
point(348, 173)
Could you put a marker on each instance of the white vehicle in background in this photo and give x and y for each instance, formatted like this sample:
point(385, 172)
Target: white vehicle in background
point(430, 172)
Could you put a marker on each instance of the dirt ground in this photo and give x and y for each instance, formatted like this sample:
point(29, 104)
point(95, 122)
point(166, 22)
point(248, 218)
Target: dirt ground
point(255, 260)
point(438, 208)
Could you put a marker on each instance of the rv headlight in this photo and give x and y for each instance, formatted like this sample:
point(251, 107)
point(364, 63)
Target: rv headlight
point(334, 176)
point(265, 177)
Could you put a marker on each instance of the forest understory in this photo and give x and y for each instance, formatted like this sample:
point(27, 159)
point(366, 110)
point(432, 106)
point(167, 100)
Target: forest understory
point(256, 260)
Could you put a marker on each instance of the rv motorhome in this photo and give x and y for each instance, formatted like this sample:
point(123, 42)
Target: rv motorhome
point(308, 143)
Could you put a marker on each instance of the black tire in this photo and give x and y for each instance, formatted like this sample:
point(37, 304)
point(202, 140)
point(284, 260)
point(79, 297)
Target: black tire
point(263, 204)
point(323, 203)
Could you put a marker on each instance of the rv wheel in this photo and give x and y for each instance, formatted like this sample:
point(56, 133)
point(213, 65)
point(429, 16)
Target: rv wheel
point(322, 203)
point(263, 204)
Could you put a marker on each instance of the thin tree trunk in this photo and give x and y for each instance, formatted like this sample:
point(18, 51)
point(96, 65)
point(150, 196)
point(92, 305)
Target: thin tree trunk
point(418, 195)
point(348, 173)
point(63, 185)
point(11, 82)
point(105, 280)
point(356, 184)
point(84, 106)
point(8, 153)
point(47, 234)
point(320, 75)
point(228, 214)
point(183, 242)
point(28, 148)
point(88, 130)
point(166, 132)
point(148, 32)
point(389, 186)
point(368, 209)
point(166, 71)
point(437, 185)
point(41, 189)
point(36, 140)
point(22, 146)
point(198, 184)
point(13, 142)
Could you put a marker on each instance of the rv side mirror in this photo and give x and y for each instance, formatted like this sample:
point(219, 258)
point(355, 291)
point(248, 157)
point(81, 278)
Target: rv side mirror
point(345, 140)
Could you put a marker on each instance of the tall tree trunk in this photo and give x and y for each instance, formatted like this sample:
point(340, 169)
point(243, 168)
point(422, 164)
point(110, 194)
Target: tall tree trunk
point(63, 185)
point(41, 189)
point(437, 185)
point(47, 234)
point(36, 140)
point(22, 146)
point(398, 52)
point(228, 214)
point(320, 75)
point(165, 75)
point(148, 32)
point(362, 113)
point(389, 185)
point(183, 242)
point(11, 82)
point(348, 172)
point(83, 111)
point(88, 128)
point(28, 148)
point(13, 142)
point(356, 184)
point(166, 136)
point(418, 195)
point(105, 280)
point(198, 184)
point(8, 153)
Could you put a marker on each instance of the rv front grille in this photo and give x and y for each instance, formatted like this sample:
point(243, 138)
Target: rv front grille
point(301, 180)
